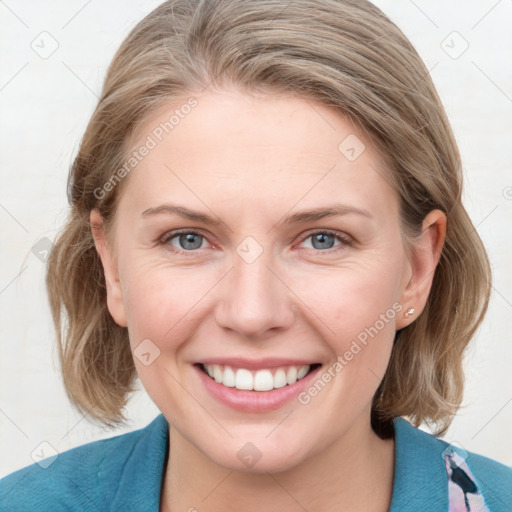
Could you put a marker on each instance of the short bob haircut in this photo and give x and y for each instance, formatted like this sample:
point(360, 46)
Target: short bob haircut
point(345, 54)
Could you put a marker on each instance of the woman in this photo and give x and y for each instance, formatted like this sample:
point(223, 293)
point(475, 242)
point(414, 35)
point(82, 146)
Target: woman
point(267, 230)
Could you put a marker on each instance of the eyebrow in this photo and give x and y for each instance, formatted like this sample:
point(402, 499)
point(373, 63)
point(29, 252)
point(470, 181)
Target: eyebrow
point(295, 218)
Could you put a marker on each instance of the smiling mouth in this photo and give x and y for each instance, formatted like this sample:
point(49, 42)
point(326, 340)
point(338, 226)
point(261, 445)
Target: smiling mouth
point(260, 380)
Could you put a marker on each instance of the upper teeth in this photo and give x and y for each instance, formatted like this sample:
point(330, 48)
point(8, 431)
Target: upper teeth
point(262, 380)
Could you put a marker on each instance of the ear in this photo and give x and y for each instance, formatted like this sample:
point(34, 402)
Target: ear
point(423, 261)
point(115, 301)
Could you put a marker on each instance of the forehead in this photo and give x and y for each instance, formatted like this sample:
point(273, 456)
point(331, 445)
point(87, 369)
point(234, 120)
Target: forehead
point(256, 153)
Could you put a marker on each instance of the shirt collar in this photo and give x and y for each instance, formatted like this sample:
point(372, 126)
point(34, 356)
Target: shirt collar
point(140, 484)
point(419, 474)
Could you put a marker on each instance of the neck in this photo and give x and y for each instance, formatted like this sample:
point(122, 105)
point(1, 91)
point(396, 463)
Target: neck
point(355, 473)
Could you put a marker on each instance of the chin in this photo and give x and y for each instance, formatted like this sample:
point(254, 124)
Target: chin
point(258, 457)
point(270, 464)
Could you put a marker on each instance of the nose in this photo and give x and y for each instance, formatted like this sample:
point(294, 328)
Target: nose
point(255, 299)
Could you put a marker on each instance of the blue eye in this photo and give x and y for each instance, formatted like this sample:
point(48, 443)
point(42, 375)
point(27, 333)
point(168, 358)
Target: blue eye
point(190, 241)
point(324, 240)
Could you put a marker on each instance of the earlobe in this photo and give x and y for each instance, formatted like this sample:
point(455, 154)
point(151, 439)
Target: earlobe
point(108, 259)
point(425, 255)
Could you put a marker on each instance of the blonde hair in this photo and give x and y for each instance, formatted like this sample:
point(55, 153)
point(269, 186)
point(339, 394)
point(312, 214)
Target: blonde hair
point(345, 54)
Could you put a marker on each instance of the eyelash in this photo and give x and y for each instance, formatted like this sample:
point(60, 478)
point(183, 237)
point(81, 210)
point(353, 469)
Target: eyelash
point(345, 241)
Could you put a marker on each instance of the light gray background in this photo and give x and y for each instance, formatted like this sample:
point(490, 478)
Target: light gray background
point(45, 103)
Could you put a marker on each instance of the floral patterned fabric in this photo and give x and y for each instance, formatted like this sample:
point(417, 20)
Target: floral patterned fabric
point(463, 493)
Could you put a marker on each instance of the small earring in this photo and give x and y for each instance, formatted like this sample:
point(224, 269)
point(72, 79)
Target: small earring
point(409, 312)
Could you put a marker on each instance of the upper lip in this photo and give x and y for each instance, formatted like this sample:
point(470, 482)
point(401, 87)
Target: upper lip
point(255, 364)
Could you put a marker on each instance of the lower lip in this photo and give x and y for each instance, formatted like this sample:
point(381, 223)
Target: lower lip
point(255, 401)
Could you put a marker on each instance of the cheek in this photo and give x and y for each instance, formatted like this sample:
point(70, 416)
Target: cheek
point(352, 297)
point(162, 310)
point(356, 310)
point(160, 299)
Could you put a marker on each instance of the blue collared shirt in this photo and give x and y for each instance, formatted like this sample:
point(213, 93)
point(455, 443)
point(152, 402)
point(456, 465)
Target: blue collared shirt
point(124, 473)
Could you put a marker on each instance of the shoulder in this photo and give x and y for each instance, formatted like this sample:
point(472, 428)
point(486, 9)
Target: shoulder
point(429, 470)
point(94, 476)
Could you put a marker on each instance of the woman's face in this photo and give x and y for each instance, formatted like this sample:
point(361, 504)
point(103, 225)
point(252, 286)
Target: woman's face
point(217, 260)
